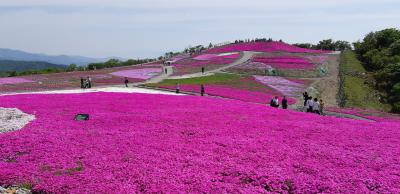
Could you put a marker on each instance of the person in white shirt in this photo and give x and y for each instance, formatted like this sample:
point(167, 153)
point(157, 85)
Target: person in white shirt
point(316, 106)
point(275, 102)
point(310, 104)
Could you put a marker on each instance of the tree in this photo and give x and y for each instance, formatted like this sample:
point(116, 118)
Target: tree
point(71, 67)
point(341, 45)
point(304, 45)
point(395, 48)
point(112, 63)
point(379, 52)
point(327, 44)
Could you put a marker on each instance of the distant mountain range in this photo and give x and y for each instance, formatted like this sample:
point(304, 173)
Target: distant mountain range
point(19, 66)
point(16, 55)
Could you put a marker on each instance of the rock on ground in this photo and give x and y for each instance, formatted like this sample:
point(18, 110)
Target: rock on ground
point(14, 190)
point(12, 119)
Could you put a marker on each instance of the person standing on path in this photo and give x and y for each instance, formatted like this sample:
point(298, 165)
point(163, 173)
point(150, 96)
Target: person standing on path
point(89, 80)
point(305, 97)
point(82, 83)
point(126, 81)
point(202, 90)
point(316, 106)
point(178, 88)
point(166, 70)
point(284, 103)
point(310, 104)
point(202, 70)
point(321, 106)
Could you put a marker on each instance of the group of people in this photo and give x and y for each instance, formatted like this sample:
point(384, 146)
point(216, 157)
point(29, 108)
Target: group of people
point(275, 102)
point(86, 83)
point(313, 105)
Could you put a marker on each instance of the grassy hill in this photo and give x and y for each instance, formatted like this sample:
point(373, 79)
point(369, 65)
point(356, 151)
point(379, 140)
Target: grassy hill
point(356, 88)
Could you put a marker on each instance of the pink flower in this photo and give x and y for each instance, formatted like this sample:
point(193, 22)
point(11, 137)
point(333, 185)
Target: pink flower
point(14, 80)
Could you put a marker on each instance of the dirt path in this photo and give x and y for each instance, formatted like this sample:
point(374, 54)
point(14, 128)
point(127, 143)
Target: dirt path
point(326, 87)
point(245, 57)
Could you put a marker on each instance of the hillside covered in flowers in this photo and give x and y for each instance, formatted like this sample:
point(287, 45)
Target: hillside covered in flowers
point(141, 143)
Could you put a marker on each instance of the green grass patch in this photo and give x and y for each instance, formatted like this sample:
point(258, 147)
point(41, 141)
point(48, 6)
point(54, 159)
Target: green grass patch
point(220, 78)
point(357, 93)
point(350, 63)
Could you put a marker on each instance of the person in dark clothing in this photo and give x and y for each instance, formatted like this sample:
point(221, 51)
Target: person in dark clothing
point(126, 81)
point(178, 88)
point(202, 90)
point(82, 83)
point(166, 71)
point(284, 103)
point(202, 70)
point(305, 97)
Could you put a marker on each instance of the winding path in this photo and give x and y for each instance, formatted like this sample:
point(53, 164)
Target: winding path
point(245, 57)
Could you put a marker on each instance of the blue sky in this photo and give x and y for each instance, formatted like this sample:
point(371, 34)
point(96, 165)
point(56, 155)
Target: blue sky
point(149, 28)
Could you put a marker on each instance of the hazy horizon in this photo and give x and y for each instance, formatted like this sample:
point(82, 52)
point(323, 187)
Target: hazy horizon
point(149, 28)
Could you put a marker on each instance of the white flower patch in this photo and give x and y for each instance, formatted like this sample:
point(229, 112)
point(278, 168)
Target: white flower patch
point(12, 119)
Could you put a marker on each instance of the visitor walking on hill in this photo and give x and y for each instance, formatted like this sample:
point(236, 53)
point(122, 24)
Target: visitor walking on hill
point(86, 84)
point(202, 90)
point(202, 70)
point(275, 102)
point(126, 81)
point(321, 106)
point(310, 104)
point(284, 103)
point(316, 106)
point(82, 83)
point(305, 97)
point(166, 71)
point(178, 88)
point(89, 80)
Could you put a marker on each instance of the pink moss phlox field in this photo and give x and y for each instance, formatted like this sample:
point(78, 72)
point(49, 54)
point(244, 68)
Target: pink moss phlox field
point(199, 63)
point(232, 93)
point(367, 113)
point(14, 80)
point(285, 62)
point(284, 86)
point(205, 57)
point(178, 58)
point(138, 143)
point(261, 47)
point(145, 73)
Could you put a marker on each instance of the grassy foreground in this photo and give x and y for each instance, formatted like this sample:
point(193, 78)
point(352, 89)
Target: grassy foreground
point(357, 92)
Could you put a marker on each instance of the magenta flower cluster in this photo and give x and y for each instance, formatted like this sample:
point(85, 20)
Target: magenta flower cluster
point(285, 62)
point(139, 143)
point(145, 73)
point(14, 80)
point(232, 93)
point(262, 47)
